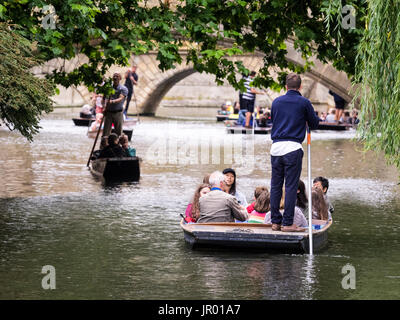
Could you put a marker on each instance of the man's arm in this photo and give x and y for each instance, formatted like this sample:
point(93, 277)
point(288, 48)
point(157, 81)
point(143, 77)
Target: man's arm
point(118, 100)
point(238, 211)
point(312, 119)
point(255, 91)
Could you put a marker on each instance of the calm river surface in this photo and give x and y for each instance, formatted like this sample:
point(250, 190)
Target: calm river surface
point(124, 242)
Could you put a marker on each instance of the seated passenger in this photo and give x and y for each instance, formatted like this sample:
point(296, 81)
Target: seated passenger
point(302, 200)
point(236, 107)
point(230, 180)
point(218, 205)
point(229, 107)
point(242, 118)
point(257, 192)
point(124, 142)
point(192, 212)
point(87, 112)
point(354, 118)
point(261, 205)
point(330, 118)
point(96, 124)
point(323, 184)
point(319, 208)
point(103, 144)
point(345, 118)
point(113, 150)
point(298, 219)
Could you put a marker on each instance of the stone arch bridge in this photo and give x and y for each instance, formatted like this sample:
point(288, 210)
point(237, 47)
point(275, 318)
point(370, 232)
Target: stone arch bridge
point(154, 84)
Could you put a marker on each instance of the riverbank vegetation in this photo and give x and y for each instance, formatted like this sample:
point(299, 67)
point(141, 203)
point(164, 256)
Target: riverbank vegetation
point(23, 97)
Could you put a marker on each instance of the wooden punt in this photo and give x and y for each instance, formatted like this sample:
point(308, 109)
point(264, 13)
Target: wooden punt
point(222, 117)
point(117, 169)
point(128, 132)
point(253, 236)
point(243, 130)
point(333, 126)
point(83, 122)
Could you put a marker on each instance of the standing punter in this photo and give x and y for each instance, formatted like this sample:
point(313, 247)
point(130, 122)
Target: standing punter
point(289, 114)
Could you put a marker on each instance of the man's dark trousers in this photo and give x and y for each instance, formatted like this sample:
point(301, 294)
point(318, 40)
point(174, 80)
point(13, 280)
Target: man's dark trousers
point(285, 168)
point(128, 99)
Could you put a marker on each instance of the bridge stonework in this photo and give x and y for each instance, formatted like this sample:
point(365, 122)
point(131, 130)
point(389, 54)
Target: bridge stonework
point(154, 84)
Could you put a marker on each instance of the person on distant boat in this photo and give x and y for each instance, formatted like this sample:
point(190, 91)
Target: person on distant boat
point(354, 118)
point(86, 112)
point(218, 205)
point(114, 107)
point(96, 124)
point(345, 118)
point(339, 105)
point(330, 118)
point(236, 107)
point(323, 116)
point(124, 142)
point(229, 107)
point(131, 80)
point(299, 218)
point(98, 102)
point(113, 150)
point(192, 212)
point(260, 206)
point(323, 184)
point(230, 180)
point(103, 144)
point(249, 98)
point(319, 207)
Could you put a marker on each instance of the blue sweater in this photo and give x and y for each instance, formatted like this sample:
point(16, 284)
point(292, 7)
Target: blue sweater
point(289, 114)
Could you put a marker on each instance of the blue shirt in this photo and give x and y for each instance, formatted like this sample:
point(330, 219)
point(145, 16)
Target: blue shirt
point(289, 115)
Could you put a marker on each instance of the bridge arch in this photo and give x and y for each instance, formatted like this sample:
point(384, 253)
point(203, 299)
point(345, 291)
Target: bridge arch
point(154, 84)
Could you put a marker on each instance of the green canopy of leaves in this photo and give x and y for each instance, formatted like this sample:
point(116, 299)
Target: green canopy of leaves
point(23, 97)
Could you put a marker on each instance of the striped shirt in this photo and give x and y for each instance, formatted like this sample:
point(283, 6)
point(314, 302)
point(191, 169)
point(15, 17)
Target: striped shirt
point(248, 95)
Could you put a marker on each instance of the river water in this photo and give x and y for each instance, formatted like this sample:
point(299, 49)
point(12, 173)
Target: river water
point(124, 241)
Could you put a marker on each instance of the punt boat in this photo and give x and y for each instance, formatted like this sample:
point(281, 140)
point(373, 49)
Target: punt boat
point(253, 236)
point(125, 169)
point(333, 126)
point(243, 130)
point(83, 122)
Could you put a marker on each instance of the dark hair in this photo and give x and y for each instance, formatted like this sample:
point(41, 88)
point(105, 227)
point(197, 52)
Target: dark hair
point(262, 204)
point(293, 81)
point(252, 73)
point(103, 142)
point(112, 138)
point(206, 178)
point(196, 205)
point(232, 189)
point(324, 182)
point(319, 204)
point(301, 196)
